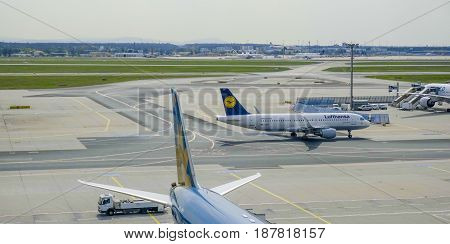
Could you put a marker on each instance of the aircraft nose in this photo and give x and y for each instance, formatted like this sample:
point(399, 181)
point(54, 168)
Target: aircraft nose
point(366, 123)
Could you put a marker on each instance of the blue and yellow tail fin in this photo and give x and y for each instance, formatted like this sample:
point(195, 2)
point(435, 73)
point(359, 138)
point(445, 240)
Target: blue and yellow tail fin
point(231, 104)
point(185, 166)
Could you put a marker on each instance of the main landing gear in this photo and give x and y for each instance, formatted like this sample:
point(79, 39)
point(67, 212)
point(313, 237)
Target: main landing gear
point(350, 134)
point(293, 134)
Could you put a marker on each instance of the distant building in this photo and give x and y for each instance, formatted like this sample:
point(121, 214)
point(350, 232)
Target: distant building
point(183, 54)
point(129, 55)
point(224, 49)
point(247, 48)
point(99, 54)
point(21, 55)
point(38, 53)
point(204, 50)
point(57, 54)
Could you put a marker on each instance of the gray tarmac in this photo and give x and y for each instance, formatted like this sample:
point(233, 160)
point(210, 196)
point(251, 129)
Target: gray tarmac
point(399, 173)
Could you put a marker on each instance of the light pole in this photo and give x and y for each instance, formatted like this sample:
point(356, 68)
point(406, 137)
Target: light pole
point(351, 46)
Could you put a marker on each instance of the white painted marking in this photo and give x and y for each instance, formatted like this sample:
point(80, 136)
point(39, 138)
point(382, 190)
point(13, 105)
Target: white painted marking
point(13, 159)
point(441, 218)
point(87, 139)
point(387, 205)
point(368, 214)
point(46, 213)
point(353, 200)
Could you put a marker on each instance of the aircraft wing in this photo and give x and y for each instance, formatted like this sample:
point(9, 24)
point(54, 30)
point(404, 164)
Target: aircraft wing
point(440, 98)
point(307, 127)
point(311, 127)
point(226, 188)
point(443, 98)
point(150, 196)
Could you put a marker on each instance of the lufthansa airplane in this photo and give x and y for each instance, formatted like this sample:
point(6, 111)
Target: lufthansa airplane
point(324, 125)
point(190, 203)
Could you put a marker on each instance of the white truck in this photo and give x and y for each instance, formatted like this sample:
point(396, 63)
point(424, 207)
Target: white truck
point(108, 204)
point(406, 106)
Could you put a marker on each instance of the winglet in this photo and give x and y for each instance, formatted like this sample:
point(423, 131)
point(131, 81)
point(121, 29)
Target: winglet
point(257, 110)
point(185, 166)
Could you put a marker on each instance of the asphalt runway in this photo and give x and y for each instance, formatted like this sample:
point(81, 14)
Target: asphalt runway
point(397, 174)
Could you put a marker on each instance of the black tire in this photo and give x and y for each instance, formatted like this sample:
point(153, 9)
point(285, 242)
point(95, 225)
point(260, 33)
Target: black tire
point(110, 212)
point(293, 134)
point(350, 136)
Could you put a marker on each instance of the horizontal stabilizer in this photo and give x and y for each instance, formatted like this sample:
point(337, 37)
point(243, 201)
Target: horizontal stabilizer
point(150, 196)
point(229, 187)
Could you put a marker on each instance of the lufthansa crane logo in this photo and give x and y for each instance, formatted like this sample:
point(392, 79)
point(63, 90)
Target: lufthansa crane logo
point(230, 102)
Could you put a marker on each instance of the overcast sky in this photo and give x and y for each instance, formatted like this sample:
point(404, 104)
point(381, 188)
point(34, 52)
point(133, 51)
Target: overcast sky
point(257, 21)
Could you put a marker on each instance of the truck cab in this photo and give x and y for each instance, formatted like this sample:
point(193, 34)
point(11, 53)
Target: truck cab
point(105, 202)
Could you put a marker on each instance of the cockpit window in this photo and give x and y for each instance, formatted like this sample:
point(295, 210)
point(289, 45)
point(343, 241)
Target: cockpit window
point(362, 118)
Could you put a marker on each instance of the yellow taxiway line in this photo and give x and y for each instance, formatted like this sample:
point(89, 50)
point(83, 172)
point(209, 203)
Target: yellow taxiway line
point(108, 121)
point(150, 214)
point(287, 201)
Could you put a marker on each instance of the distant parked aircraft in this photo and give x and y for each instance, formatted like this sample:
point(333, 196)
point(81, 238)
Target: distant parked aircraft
point(434, 93)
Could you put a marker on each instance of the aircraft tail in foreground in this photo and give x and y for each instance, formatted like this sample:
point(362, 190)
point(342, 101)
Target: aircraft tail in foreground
point(185, 167)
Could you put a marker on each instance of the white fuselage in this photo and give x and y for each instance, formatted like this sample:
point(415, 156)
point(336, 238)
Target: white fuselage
point(433, 93)
point(297, 122)
point(441, 89)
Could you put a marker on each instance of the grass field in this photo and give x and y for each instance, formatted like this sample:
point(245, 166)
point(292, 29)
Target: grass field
point(414, 78)
point(134, 69)
point(405, 63)
point(48, 82)
point(143, 61)
point(391, 69)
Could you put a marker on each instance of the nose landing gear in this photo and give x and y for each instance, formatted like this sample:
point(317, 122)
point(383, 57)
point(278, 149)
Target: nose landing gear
point(350, 134)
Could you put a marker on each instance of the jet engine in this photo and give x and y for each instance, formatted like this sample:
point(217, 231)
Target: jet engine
point(329, 133)
point(426, 102)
